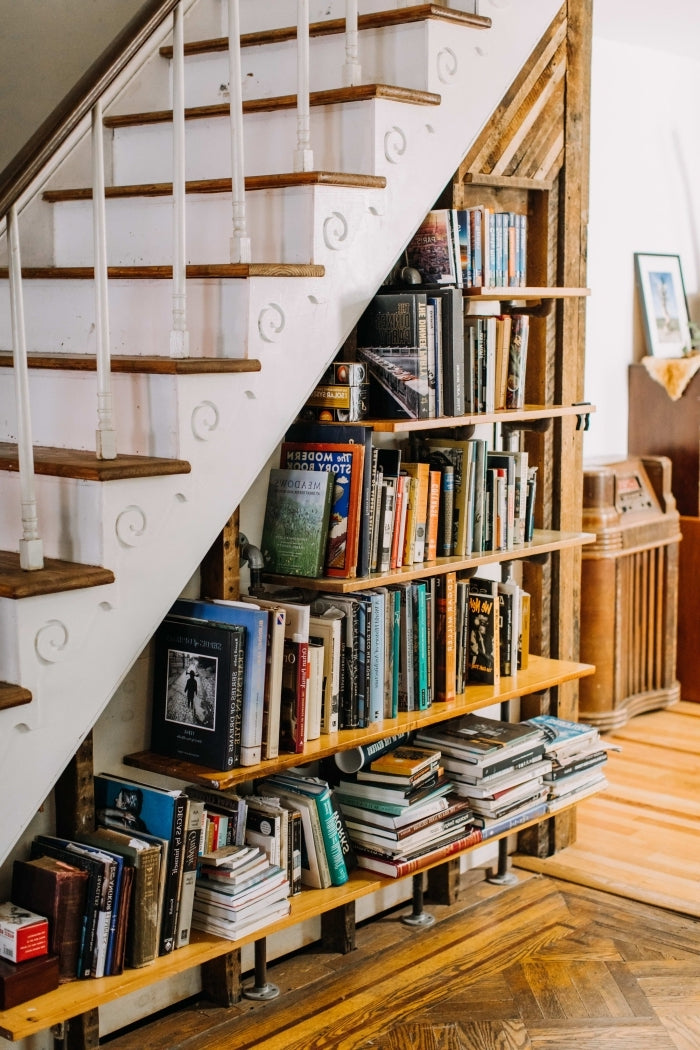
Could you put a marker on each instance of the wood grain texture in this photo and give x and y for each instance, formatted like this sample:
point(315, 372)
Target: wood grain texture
point(77, 463)
point(213, 271)
point(139, 364)
point(56, 576)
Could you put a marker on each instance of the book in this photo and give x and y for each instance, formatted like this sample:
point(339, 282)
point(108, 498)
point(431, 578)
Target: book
point(351, 435)
point(274, 668)
point(399, 383)
point(457, 453)
point(484, 632)
point(406, 760)
point(517, 361)
point(145, 858)
point(452, 330)
point(445, 637)
point(356, 758)
point(394, 320)
point(345, 462)
point(55, 889)
point(433, 249)
point(479, 736)
point(234, 806)
point(220, 610)
point(295, 526)
point(194, 823)
point(564, 737)
point(415, 544)
point(143, 808)
point(399, 869)
point(327, 625)
point(198, 691)
point(314, 689)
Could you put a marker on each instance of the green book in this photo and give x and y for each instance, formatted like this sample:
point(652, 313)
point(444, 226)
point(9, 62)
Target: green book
point(295, 528)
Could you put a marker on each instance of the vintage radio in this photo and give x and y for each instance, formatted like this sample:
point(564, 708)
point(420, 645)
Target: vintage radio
point(629, 589)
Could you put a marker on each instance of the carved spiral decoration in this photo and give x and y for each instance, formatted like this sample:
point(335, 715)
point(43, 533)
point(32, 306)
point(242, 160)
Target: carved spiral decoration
point(51, 641)
point(394, 144)
point(271, 322)
point(446, 65)
point(205, 420)
point(131, 526)
point(335, 231)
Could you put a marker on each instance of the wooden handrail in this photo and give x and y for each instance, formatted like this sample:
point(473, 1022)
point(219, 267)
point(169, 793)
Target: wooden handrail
point(28, 162)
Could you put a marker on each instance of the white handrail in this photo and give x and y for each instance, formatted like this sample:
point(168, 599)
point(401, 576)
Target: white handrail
point(303, 155)
point(105, 437)
point(179, 335)
point(31, 548)
point(240, 241)
point(352, 70)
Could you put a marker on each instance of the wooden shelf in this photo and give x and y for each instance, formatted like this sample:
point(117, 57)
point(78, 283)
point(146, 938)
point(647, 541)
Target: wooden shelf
point(78, 997)
point(527, 414)
point(525, 295)
point(544, 542)
point(540, 674)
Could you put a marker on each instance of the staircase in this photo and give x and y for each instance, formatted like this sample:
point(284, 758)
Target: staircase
point(122, 537)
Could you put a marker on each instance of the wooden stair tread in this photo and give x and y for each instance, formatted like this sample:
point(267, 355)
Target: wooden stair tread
point(358, 93)
point(252, 182)
point(147, 364)
point(85, 466)
point(332, 26)
point(13, 696)
point(236, 271)
point(57, 575)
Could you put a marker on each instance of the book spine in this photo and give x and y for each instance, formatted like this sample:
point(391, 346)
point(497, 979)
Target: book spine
point(433, 515)
point(332, 842)
point(174, 861)
point(195, 820)
point(254, 692)
point(447, 497)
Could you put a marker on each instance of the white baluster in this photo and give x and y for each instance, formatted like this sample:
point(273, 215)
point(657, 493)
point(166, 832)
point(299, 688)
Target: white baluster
point(179, 336)
point(31, 548)
point(240, 241)
point(303, 155)
point(105, 436)
point(352, 70)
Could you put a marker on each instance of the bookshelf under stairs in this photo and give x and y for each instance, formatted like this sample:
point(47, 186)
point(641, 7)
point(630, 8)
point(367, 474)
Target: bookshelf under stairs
point(122, 538)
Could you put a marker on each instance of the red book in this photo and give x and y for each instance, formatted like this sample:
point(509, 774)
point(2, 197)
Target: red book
point(346, 462)
point(398, 868)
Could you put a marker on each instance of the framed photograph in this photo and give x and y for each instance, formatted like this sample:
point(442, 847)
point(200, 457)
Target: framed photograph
point(664, 306)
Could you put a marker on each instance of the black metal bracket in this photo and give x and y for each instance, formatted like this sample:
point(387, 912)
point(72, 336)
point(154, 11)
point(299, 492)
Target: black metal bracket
point(583, 419)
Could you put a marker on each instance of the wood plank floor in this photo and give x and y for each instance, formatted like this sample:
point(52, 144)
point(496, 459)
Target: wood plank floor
point(575, 957)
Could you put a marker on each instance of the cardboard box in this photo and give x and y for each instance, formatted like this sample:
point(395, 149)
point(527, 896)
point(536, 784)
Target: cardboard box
point(23, 934)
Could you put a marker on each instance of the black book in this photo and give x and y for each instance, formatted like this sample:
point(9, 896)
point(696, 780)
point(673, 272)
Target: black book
point(198, 692)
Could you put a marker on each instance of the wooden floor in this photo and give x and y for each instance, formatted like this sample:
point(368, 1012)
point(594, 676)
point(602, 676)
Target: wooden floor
point(546, 964)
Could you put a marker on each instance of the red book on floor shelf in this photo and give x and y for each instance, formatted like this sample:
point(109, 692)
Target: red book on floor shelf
point(398, 868)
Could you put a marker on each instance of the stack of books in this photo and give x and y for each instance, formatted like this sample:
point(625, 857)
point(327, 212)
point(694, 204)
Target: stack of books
point(238, 892)
point(401, 812)
point(499, 767)
point(577, 758)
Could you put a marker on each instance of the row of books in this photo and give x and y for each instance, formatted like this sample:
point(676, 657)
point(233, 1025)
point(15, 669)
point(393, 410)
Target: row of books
point(434, 497)
point(475, 247)
point(426, 356)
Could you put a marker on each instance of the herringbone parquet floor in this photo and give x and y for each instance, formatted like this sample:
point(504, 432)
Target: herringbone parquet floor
point(547, 964)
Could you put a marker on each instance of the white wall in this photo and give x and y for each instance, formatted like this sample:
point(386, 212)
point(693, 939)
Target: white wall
point(644, 197)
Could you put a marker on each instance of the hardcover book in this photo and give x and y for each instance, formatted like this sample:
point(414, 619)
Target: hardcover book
point(484, 632)
point(198, 692)
point(345, 463)
point(295, 526)
point(56, 890)
point(255, 622)
point(434, 248)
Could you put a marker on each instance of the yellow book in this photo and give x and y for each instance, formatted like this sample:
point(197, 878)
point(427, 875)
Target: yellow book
point(420, 472)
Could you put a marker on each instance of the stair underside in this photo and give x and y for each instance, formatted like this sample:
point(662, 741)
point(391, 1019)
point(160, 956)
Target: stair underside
point(237, 271)
point(85, 466)
point(57, 575)
point(332, 26)
point(358, 93)
point(252, 182)
point(150, 365)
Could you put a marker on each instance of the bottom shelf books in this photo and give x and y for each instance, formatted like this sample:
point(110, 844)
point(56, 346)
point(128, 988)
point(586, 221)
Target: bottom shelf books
point(239, 892)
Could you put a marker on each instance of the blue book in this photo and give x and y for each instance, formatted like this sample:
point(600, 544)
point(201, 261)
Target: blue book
point(420, 630)
point(375, 698)
point(129, 805)
point(255, 622)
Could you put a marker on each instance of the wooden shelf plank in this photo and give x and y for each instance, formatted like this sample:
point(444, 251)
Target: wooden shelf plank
point(152, 364)
point(523, 294)
point(544, 542)
point(527, 414)
point(78, 997)
point(540, 674)
point(78, 463)
point(57, 575)
point(13, 696)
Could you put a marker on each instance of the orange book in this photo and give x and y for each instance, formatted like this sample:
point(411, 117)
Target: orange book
point(399, 523)
point(446, 634)
point(415, 546)
point(431, 533)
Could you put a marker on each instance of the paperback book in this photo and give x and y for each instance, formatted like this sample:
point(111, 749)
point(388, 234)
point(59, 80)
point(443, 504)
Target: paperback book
point(295, 526)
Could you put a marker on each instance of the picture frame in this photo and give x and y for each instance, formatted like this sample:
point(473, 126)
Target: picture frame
point(664, 305)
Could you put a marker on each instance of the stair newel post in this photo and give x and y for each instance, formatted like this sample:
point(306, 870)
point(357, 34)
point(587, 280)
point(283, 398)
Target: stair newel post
point(352, 70)
point(179, 336)
point(303, 155)
point(31, 548)
point(240, 241)
point(105, 437)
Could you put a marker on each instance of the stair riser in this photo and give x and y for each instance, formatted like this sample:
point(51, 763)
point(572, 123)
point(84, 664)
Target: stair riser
point(289, 225)
point(393, 55)
point(60, 315)
point(341, 140)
